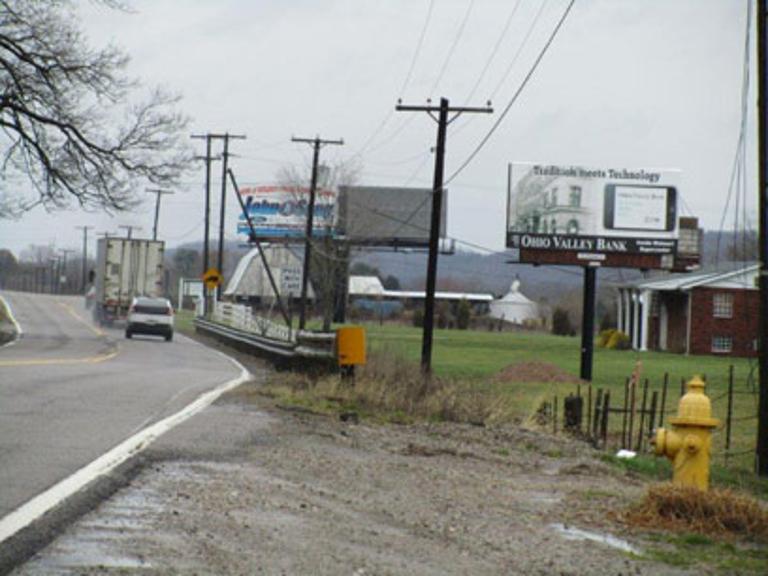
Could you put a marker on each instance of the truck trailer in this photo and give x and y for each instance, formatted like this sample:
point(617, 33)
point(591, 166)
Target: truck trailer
point(125, 269)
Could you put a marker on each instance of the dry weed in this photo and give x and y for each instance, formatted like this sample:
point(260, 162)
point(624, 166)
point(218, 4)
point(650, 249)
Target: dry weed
point(716, 512)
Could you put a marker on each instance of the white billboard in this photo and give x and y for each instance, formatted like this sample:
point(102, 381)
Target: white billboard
point(592, 211)
point(281, 211)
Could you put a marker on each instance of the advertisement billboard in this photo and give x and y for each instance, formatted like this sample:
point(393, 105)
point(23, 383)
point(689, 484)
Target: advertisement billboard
point(280, 212)
point(592, 216)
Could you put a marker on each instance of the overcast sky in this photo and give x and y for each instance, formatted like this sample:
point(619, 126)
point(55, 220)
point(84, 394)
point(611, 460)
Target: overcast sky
point(626, 83)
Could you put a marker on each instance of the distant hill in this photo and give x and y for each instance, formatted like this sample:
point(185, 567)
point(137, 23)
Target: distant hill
point(476, 272)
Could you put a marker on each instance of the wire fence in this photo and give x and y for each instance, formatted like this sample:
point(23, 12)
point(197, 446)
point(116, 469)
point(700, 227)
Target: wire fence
point(626, 418)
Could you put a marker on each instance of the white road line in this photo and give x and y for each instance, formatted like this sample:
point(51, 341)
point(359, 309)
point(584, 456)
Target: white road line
point(27, 513)
point(16, 325)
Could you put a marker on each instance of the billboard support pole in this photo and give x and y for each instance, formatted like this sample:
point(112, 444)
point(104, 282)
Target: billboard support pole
point(316, 143)
point(588, 322)
point(437, 201)
point(255, 240)
point(222, 211)
point(761, 459)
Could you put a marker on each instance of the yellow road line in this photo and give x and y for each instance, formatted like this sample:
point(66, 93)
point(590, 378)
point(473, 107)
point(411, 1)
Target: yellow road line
point(59, 361)
point(95, 329)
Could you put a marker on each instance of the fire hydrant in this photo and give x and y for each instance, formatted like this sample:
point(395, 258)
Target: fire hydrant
point(689, 441)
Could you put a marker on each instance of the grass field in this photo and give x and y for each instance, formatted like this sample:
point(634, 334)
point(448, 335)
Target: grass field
point(475, 357)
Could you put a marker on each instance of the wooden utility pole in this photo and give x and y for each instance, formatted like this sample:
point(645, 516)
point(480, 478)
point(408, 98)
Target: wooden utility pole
point(316, 144)
point(158, 192)
point(83, 279)
point(129, 230)
point(761, 459)
point(437, 204)
point(224, 167)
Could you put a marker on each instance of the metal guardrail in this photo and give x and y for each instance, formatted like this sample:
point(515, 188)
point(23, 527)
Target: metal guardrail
point(307, 346)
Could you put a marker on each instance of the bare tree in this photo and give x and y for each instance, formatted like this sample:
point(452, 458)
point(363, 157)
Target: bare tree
point(329, 268)
point(71, 123)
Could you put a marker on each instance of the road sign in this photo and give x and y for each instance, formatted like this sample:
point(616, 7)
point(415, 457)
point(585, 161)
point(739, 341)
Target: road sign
point(212, 278)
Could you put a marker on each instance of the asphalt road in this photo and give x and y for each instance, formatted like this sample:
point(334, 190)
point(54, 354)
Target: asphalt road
point(70, 391)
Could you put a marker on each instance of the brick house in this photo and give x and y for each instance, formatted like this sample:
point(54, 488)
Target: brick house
point(702, 313)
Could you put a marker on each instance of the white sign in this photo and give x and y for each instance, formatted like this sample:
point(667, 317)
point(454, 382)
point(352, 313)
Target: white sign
point(568, 203)
point(640, 208)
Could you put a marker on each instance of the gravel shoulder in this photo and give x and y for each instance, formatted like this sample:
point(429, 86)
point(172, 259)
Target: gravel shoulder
point(248, 487)
point(305, 494)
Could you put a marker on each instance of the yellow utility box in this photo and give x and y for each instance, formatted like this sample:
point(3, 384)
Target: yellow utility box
point(350, 345)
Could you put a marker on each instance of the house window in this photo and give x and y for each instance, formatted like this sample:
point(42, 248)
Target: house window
point(554, 197)
point(545, 199)
point(575, 199)
point(573, 227)
point(655, 304)
point(722, 344)
point(722, 305)
point(553, 226)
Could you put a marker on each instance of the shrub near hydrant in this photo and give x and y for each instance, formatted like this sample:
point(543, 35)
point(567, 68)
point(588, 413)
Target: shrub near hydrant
point(613, 340)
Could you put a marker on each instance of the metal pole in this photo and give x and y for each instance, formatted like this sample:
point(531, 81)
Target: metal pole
point(761, 458)
point(588, 323)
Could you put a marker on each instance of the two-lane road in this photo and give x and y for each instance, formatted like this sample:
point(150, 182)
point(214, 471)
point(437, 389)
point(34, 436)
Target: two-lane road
point(71, 391)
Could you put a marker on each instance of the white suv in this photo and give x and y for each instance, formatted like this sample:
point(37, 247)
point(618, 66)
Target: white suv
point(150, 316)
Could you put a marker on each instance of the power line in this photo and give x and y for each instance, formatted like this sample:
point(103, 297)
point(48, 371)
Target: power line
point(494, 51)
point(454, 44)
point(406, 81)
point(516, 95)
point(519, 50)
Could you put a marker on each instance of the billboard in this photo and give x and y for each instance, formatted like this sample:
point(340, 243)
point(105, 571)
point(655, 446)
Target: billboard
point(592, 216)
point(280, 212)
point(387, 216)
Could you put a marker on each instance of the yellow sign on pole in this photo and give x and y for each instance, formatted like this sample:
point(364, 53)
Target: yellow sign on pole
point(212, 278)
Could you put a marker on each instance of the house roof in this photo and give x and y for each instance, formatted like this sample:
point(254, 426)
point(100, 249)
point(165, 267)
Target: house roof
point(372, 286)
point(739, 278)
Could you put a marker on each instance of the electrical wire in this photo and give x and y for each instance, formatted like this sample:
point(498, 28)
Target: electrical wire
point(739, 160)
point(406, 80)
point(519, 50)
point(494, 51)
point(454, 44)
point(516, 95)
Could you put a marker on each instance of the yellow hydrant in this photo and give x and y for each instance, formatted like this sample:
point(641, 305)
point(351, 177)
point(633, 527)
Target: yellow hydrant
point(689, 441)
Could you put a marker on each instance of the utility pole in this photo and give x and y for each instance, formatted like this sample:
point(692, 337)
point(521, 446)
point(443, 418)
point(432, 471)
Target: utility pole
point(207, 230)
point(224, 163)
point(83, 280)
point(761, 458)
point(159, 193)
point(130, 230)
point(437, 205)
point(316, 144)
point(64, 252)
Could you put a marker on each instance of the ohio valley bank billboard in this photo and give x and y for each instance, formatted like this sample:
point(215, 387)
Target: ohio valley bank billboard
point(592, 216)
point(281, 211)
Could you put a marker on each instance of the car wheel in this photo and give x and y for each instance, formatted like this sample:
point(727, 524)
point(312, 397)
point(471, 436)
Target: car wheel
point(128, 334)
point(169, 337)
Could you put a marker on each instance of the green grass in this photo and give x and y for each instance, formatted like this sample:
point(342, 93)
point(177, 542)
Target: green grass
point(476, 356)
point(691, 550)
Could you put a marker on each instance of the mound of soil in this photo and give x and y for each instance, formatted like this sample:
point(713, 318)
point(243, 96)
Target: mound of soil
point(535, 372)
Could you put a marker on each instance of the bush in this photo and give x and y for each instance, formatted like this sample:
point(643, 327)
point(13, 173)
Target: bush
point(561, 323)
point(618, 341)
point(444, 318)
point(418, 318)
point(463, 315)
point(604, 337)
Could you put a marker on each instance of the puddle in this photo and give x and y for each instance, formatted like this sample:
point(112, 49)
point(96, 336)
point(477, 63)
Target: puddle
point(578, 534)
